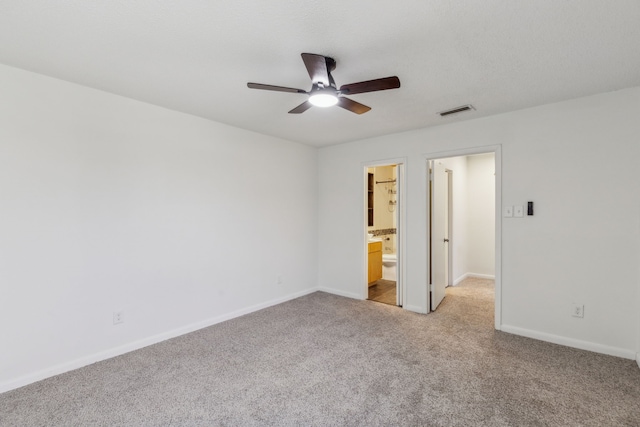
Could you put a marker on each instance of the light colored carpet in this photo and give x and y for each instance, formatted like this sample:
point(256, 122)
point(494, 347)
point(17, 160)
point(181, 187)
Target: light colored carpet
point(330, 361)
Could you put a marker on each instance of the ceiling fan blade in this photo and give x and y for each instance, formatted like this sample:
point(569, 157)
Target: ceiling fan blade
point(317, 68)
point(275, 88)
point(301, 108)
point(371, 85)
point(353, 106)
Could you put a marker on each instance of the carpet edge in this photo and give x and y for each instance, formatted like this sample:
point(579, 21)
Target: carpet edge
point(80, 362)
point(570, 342)
point(339, 292)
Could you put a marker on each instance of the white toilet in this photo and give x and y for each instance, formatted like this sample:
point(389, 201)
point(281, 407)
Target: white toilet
point(389, 262)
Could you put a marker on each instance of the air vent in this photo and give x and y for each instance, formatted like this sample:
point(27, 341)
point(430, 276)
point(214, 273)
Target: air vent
point(467, 107)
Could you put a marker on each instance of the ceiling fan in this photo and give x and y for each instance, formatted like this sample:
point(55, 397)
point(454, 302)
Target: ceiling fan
point(324, 92)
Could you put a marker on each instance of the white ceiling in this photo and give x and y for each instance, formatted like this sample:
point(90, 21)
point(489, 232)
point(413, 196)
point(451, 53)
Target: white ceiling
point(196, 56)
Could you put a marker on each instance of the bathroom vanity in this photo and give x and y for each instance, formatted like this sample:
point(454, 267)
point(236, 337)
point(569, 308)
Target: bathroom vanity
point(375, 262)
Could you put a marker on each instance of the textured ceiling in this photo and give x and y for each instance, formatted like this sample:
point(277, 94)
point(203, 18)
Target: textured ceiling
point(197, 56)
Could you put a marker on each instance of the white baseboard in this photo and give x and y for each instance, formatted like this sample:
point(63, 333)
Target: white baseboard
point(136, 345)
point(478, 275)
point(638, 359)
point(570, 342)
point(339, 292)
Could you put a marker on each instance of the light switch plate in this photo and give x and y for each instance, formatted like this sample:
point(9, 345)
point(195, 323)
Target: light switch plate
point(508, 211)
point(518, 211)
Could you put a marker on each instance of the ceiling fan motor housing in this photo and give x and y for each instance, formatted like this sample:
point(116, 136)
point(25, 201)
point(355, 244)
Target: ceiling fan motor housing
point(324, 92)
point(322, 96)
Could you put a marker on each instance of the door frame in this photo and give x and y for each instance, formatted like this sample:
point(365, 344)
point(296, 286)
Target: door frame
point(450, 226)
point(401, 187)
point(497, 151)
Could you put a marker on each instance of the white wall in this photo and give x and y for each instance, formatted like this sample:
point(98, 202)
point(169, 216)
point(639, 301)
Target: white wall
point(481, 215)
point(577, 160)
point(112, 204)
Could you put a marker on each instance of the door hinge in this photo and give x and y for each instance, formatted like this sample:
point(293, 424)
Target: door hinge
point(431, 287)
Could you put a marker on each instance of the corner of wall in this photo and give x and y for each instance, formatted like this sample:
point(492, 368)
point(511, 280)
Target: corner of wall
point(415, 309)
point(338, 292)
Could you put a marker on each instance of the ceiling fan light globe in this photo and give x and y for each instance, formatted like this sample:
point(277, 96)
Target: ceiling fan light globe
point(323, 99)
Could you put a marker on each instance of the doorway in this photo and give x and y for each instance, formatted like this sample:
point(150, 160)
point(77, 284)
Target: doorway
point(383, 208)
point(464, 229)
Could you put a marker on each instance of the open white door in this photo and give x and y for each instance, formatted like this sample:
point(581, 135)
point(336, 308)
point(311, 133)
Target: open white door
point(439, 238)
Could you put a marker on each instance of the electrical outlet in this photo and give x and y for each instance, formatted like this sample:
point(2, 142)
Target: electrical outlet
point(518, 211)
point(118, 317)
point(577, 310)
point(508, 211)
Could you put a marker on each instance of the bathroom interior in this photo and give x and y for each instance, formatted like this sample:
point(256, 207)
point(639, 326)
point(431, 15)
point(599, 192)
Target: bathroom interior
point(382, 203)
